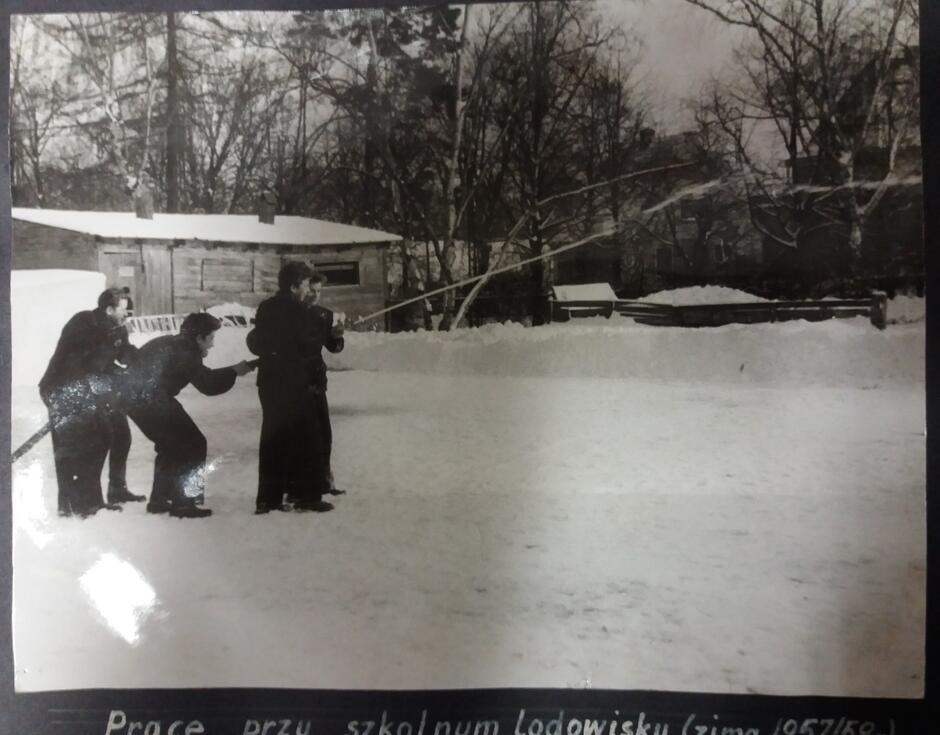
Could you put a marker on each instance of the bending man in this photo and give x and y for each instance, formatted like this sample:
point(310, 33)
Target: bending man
point(164, 367)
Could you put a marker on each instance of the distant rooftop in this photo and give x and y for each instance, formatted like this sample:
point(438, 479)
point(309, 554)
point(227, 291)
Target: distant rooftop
point(286, 230)
point(584, 292)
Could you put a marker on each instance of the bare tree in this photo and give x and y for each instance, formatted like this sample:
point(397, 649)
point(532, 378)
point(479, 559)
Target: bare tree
point(114, 54)
point(36, 105)
point(551, 54)
point(835, 79)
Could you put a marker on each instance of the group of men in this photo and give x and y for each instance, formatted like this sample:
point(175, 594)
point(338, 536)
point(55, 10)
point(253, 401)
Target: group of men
point(96, 379)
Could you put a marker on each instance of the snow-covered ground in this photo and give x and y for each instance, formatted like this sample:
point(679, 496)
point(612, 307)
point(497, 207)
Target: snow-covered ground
point(594, 504)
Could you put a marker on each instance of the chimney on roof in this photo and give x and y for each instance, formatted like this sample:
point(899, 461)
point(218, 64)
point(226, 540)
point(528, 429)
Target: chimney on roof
point(267, 206)
point(143, 198)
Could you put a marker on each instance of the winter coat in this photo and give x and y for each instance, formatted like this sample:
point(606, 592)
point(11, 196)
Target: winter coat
point(86, 369)
point(282, 338)
point(166, 365)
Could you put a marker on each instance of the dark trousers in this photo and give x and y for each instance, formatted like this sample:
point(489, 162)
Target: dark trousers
point(79, 444)
point(324, 431)
point(180, 466)
point(286, 464)
point(120, 448)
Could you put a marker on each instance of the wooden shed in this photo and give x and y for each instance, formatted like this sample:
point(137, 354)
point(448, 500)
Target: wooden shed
point(177, 263)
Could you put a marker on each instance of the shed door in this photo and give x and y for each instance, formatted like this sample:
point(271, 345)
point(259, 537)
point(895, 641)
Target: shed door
point(123, 269)
point(146, 272)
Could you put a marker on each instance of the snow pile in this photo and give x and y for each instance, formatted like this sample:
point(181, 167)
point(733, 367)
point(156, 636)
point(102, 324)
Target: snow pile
point(41, 302)
point(906, 310)
point(701, 295)
point(841, 351)
point(838, 351)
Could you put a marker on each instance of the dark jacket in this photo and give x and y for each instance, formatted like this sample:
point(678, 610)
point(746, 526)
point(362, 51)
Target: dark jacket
point(89, 359)
point(166, 365)
point(283, 340)
point(321, 329)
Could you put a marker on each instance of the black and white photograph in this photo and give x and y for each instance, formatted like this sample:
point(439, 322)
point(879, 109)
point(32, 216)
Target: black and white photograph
point(570, 344)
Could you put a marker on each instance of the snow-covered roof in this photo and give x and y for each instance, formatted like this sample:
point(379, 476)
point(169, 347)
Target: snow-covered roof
point(286, 230)
point(584, 292)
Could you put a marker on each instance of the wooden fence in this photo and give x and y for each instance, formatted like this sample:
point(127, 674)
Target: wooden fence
point(714, 315)
point(643, 312)
point(170, 323)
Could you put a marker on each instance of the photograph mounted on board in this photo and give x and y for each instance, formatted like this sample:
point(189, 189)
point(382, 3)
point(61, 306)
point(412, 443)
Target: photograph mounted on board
point(542, 344)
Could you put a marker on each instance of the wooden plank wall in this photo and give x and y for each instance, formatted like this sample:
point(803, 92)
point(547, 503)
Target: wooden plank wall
point(205, 276)
point(38, 246)
point(354, 301)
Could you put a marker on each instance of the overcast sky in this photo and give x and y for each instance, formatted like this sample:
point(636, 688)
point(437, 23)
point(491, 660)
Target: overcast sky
point(684, 47)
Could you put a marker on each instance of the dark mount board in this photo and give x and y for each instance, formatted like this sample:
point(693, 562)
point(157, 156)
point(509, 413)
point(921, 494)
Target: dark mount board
point(484, 712)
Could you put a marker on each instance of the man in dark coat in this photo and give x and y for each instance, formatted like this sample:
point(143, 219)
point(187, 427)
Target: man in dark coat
point(79, 388)
point(327, 332)
point(282, 340)
point(164, 367)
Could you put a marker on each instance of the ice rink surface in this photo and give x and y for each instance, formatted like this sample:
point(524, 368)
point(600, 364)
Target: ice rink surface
point(505, 531)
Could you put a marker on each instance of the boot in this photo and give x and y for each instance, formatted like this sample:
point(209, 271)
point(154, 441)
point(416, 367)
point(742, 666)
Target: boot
point(118, 493)
point(189, 511)
point(313, 506)
point(263, 508)
point(158, 508)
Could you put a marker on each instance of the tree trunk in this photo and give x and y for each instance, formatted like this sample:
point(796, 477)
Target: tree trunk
point(453, 180)
point(174, 129)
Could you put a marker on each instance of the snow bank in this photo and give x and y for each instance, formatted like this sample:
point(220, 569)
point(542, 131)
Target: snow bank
point(906, 310)
point(41, 302)
point(835, 352)
point(701, 295)
point(842, 351)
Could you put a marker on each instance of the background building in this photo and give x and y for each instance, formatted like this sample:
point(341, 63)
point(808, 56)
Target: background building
point(177, 263)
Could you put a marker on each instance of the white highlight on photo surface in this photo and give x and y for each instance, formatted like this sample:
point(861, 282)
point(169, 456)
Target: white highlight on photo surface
point(31, 514)
point(120, 594)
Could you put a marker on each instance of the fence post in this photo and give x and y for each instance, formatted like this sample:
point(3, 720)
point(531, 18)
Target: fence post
point(879, 310)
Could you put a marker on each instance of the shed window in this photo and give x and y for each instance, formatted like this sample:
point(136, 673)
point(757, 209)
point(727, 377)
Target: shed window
point(339, 274)
point(230, 275)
